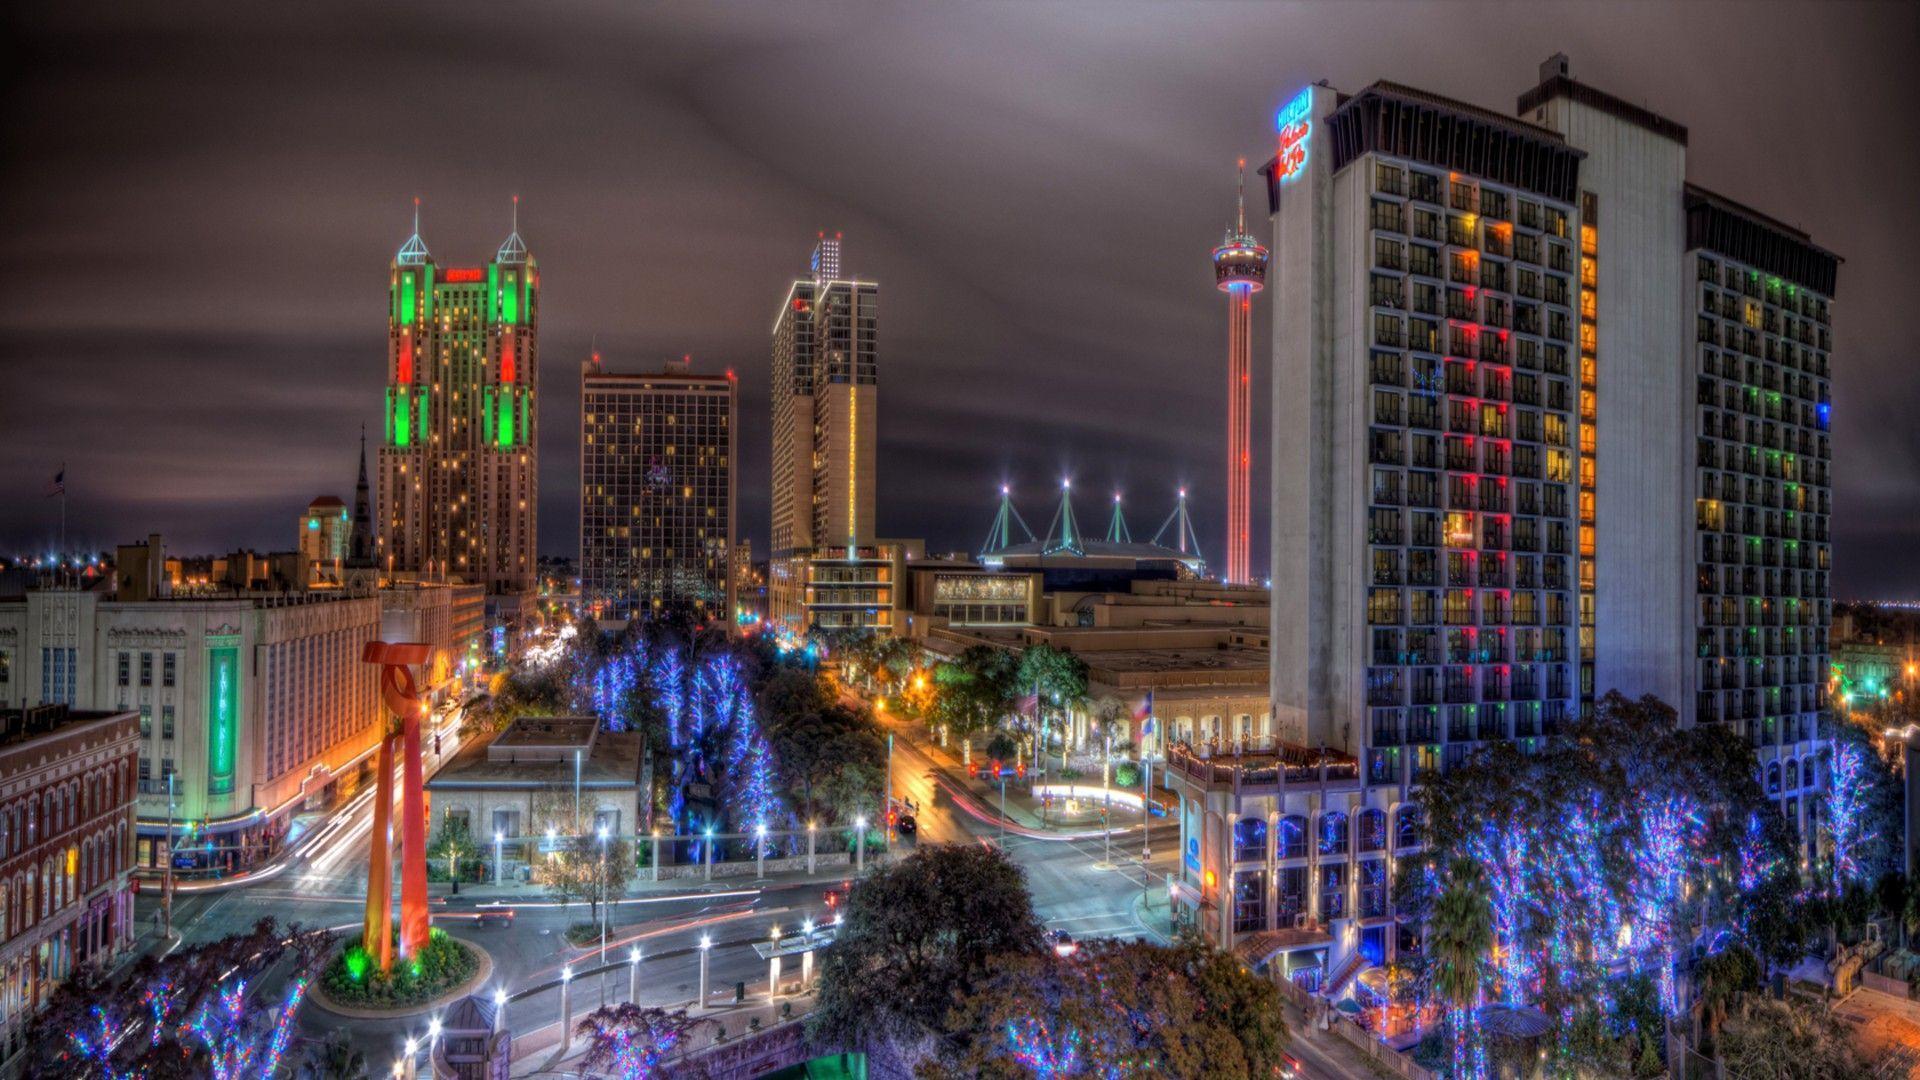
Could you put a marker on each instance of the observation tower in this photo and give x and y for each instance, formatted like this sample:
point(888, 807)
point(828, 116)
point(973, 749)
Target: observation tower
point(1239, 270)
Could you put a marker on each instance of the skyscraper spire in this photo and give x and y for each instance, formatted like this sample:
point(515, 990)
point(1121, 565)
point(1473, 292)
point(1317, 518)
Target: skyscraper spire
point(513, 250)
point(414, 251)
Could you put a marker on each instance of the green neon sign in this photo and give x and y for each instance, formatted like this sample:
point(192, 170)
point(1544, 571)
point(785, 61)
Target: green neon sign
point(223, 716)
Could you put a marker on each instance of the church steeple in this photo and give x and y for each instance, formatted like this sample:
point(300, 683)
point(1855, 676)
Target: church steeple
point(360, 544)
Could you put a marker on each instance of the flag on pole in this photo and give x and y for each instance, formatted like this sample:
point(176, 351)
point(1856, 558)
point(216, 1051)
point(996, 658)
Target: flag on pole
point(57, 485)
point(1144, 714)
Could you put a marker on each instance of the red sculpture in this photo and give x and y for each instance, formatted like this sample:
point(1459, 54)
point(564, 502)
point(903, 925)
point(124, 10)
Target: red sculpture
point(402, 698)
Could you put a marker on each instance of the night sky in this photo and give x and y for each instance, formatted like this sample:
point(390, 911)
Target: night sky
point(201, 202)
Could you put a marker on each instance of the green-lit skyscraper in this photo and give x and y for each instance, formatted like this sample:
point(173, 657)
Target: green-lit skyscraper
point(460, 460)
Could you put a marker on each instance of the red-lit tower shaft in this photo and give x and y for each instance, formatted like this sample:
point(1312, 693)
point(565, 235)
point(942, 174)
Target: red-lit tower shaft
point(1240, 271)
point(1239, 432)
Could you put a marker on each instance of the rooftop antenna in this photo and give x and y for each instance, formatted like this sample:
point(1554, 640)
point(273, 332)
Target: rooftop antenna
point(1117, 531)
point(1240, 225)
point(1000, 533)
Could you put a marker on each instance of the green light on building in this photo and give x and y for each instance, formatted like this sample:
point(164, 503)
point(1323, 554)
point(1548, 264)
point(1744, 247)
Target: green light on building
point(223, 716)
point(406, 296)
point(510, 301)
point(506, 421)
point(402, 424)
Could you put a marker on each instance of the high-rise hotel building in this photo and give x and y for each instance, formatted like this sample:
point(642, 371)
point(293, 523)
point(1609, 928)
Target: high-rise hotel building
point(1548, 421)
point(658, 481)
point(825, 568)
point(459, 461)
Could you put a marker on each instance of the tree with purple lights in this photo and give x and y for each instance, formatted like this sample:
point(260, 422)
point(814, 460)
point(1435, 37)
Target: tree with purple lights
point(632, 1042)
point(194, 1013)
point(1849, 802)
point(1604, 850)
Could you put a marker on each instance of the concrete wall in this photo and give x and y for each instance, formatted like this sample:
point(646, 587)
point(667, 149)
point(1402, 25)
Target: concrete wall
point(1645, 479)
point(1304, 453)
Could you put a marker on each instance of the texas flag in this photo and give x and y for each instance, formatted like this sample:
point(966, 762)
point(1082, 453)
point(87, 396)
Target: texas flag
point(1144, 714)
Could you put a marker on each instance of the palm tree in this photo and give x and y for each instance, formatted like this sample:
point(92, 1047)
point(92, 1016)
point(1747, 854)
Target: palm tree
point(334, 1058)
point(1459, 937)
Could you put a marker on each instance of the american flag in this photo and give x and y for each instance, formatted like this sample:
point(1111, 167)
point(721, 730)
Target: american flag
point(57, 485)
point(1144, 714)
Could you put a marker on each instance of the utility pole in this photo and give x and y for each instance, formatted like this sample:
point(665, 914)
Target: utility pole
point(166, 890)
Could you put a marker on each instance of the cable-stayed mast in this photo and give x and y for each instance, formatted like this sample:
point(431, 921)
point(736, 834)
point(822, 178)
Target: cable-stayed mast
point(1184, 538)
point(1068, 532)
point(1000, 533)
point(1117, 531)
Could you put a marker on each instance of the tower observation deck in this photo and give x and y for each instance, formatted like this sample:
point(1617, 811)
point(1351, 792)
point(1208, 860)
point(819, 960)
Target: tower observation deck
point(1239, 270)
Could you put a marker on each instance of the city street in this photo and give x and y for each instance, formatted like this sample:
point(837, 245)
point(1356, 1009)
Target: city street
point(324, 881)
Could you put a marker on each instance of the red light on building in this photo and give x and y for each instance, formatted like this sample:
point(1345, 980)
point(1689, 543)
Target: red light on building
point(506, 357)
point(463, 274)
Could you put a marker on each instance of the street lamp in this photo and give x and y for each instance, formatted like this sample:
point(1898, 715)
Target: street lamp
point(498, 839)
point(604, 900)
point(706, 948)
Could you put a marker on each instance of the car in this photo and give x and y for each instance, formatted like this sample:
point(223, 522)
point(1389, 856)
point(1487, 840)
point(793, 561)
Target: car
point(907, 826)
point(836, 897)
point(1061, 943)
point(1291, 1068)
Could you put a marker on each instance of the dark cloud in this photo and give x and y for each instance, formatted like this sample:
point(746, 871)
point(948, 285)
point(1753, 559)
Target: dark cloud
point(199, 203)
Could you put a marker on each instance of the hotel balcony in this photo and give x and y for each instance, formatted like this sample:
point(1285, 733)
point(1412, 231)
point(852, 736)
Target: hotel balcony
point(1263, 766)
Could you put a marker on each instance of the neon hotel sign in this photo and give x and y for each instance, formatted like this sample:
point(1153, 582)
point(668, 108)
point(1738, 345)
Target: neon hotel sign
point(1295, 123)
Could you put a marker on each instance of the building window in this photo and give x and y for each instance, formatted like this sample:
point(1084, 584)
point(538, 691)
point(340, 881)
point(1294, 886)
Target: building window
point(124, 674)
point(167, 669)
point(146, 669)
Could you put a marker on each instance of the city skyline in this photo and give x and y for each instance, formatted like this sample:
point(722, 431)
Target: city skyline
point(1002, 368)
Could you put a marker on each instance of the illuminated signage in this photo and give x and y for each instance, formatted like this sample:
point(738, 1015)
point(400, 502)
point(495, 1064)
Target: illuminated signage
point(223, 716)
point(463, 273)
point(1295, 124)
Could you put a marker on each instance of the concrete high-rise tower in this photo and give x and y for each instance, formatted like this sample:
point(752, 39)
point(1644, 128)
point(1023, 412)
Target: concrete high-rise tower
point(459, 461)
point(1240, 271)
point(657, 491)
point(825, 390)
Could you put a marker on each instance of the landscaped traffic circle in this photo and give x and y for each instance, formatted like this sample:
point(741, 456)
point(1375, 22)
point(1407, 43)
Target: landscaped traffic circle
point(445, 968)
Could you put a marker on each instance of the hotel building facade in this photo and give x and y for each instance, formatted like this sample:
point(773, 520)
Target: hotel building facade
point(1548, 421)
point(658, 480)
point(459, 461)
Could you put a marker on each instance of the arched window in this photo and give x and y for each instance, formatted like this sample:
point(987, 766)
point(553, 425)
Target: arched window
point(1773, 778)
point(1333, 833)
point(1250, 839)
point(1293, 837)
point(1373, 830)
point(1406, 831)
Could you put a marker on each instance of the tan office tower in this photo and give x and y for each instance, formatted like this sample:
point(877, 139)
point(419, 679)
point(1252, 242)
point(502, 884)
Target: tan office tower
point(460, 460)
point(825, 569)
point(657, 488)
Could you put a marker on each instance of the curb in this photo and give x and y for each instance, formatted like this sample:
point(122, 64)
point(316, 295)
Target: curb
point(319, 995)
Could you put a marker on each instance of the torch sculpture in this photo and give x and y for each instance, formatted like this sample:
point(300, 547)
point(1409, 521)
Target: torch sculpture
point(402, 698)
